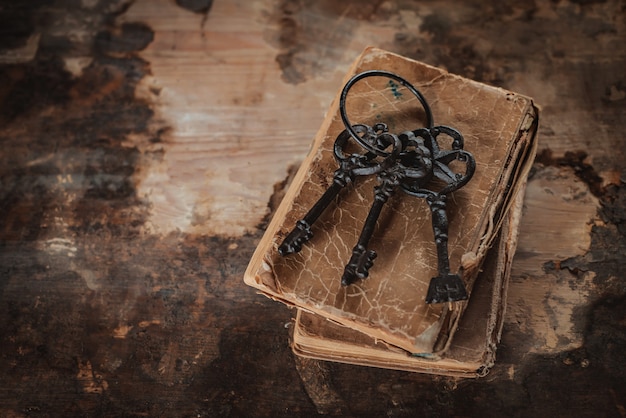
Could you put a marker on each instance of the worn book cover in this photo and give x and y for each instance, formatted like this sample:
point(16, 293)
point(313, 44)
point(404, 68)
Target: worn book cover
point(499, 130)
point(471, 353)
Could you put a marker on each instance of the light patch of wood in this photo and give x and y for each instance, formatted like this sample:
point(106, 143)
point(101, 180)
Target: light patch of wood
point(236, 126)
point(559, 212)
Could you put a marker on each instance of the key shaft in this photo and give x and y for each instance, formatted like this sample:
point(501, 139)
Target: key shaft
point(350, 166)
point(302, 232)
point(362, 258)
point(446, 287)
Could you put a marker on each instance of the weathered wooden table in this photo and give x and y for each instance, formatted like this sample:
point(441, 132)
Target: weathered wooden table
point(146, 143)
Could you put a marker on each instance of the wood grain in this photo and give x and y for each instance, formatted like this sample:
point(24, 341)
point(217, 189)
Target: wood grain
point(142, 142)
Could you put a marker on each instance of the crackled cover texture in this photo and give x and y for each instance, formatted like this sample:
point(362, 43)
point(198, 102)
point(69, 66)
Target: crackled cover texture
point(390, 303)
point(471, 353)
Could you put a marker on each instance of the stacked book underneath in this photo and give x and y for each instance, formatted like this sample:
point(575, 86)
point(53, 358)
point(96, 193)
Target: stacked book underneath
point(383, 320)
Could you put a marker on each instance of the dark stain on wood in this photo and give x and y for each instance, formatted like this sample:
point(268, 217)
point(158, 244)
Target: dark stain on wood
point(129, 37)
point(602, 321)
point(201, 7)
point(587, 2)
point(478, 42)
point(228, 385)
point(576, 160)
point(197, 6)
point(607, 254)
point(31, 87)
point(307, 48)
point(316, 377)
point(17, 22)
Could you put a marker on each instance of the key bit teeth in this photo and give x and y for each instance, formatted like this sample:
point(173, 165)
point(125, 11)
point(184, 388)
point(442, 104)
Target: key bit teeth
point(358, 267)
point(367, 262)
point(293, 243)
point(351, 274)
point(290, 245)
point(286, 249)
point(448, 288)
point(348, 277)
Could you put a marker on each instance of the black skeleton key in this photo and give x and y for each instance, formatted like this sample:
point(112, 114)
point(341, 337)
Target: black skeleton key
point(362, 258)
point(446, 287)
point(350, 166)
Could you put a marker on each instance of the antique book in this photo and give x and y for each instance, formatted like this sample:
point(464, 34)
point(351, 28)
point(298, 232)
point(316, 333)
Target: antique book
point(471, 353)
point(390, 304)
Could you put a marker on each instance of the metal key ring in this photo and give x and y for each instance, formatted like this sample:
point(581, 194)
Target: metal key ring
point(378, 73)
